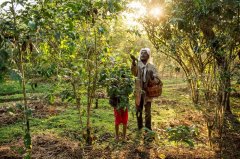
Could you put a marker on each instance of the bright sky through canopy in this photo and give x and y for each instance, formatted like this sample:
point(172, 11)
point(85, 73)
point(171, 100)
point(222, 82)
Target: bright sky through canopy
point(138, 10)
point(131, 17)
point(17, 6)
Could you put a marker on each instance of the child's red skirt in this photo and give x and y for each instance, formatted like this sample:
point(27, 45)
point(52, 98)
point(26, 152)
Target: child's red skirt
point(121, 116)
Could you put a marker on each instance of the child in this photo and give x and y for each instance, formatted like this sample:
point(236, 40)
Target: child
point(119, 91)
point(121, 116)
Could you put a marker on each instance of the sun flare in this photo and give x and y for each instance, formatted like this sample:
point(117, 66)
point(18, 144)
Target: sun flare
point(156, 12)
point(136, 10)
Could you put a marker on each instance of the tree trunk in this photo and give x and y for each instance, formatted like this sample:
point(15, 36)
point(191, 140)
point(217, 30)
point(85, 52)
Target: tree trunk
point(227, 96)
point(225, 85)
point(92, 89)
point(194, 91)
point(78, 100)
point(96, 103)
point(27, 136)
point(89, 99)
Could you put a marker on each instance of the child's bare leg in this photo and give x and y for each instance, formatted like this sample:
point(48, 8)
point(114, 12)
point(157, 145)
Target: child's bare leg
point(117, 132)
point(124, 130)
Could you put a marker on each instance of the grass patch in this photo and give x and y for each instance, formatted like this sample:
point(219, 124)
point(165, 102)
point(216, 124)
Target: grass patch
point(14, 87)
point(102, 120)
point(173, 81)
point(10, 132)
point(176, 110)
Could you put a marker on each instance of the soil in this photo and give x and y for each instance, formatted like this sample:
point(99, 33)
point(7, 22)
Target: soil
point(44, 146)
point(47, 146)
point(165, 102)
point(11, 114)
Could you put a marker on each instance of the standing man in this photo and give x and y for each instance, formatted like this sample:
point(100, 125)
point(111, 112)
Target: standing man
point(145, 72)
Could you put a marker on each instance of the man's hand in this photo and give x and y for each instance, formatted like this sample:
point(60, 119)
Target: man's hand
point(151, 74)
point(133, 59)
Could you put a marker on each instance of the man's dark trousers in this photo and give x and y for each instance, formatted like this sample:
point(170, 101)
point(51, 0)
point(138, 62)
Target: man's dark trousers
point(147, 114)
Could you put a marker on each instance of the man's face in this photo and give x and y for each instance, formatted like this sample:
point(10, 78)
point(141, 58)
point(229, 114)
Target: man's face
point(144, 55)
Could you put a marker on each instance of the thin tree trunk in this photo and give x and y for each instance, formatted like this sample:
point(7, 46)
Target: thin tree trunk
point(227, 96)
point(92, 89)
point(96, 103)
point(194, 91)
point(77, 104)
point(88, 138)
point(27, 137)
point(24, 92)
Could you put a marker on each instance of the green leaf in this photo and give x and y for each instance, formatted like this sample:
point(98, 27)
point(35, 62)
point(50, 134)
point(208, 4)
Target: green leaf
point(19, 106)
point(189, 142)
point(27, 156)
point(32, 25)
point(16, 75)
point(101, 30)
point(28, 112)
point(27, 140)
point(51, 99)
point(57, 35)
point(83, 112)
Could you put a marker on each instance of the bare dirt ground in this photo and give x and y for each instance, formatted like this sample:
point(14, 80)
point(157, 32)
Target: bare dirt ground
point(48, 146)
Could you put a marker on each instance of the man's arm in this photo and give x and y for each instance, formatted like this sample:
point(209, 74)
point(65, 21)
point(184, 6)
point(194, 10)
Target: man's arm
point(134, 66)
point(154, 76)
point(134, 69)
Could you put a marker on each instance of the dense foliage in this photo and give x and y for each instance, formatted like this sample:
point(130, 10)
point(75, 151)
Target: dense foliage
point(119, 83)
